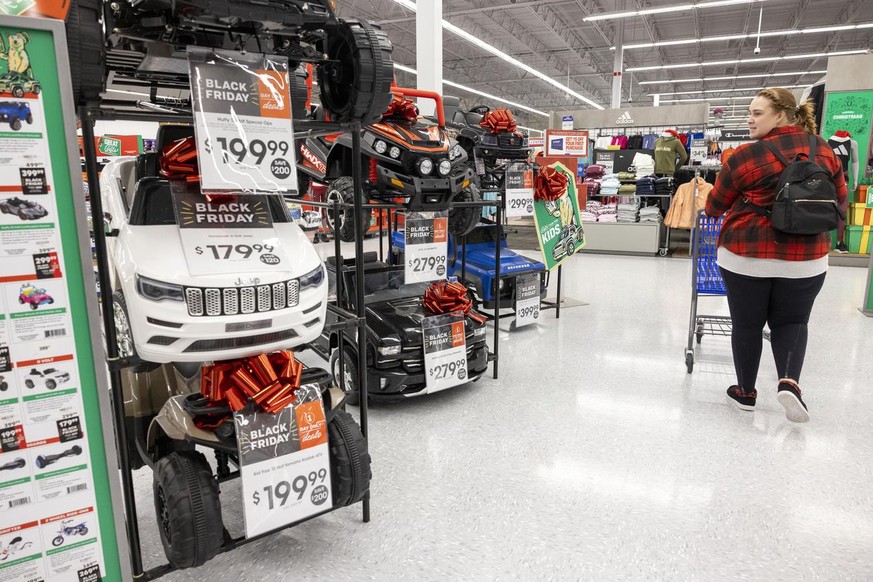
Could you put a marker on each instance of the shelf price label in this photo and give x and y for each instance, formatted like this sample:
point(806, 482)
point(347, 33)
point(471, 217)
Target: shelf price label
point(519, 190)
point(527, 299)
point(242, 120)
point(284, 463)
point(426, 237)
point(445, 351)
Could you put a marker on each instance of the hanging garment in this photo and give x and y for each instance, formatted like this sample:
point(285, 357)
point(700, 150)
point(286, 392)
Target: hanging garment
point(685, 205)
point(649, 141)
point(635, 142)
point(667, 151)
point(602, 142)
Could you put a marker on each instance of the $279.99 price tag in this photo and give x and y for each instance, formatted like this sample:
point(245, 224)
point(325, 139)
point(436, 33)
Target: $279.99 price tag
point(445, 351)
point(425, 247)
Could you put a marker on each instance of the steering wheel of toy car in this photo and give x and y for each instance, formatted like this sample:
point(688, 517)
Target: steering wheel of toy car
point(480, 109)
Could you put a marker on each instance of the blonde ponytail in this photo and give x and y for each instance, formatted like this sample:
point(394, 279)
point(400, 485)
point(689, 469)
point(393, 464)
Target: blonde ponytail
point(805, 117)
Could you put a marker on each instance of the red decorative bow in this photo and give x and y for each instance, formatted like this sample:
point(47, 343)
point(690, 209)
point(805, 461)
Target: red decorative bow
point(499, 120)
point(401, 108)
point(443, 297)
point(550, 184)
point(270, 380)
point(179, 160)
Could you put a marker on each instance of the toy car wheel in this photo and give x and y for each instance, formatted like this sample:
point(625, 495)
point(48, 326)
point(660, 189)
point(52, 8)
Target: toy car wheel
point(28, 383)
point(349, 381)
point(34, 306)
point(15, 124)
point(83, 531)
point(349, 459)
point(356, 85)
point(343, 190)
point(188, 509)
point(58, 541)
point(299, 93)
point(85, 44)
point(36, 90)
point(462, 221)
point(51, 384)
point(18, 92)
point(4, 386)
point(29, 118)
point(124, 335)
point(21, 300)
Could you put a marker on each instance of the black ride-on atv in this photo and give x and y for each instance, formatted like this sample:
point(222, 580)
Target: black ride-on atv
point(143, 42)
point(406, 158)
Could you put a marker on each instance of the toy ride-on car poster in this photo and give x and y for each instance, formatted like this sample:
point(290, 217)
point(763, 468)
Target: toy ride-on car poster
point(144, 41)
point(407, 159)
point(14, 113)
point(33, 296)
point(19, 84)
point(395, 348)
point(556, 214)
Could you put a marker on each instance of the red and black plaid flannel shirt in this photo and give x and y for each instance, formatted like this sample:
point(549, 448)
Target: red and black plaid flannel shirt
point(753, 172)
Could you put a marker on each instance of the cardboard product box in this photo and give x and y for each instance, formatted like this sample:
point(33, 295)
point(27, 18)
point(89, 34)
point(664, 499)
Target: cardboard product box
point(858, 239)
point(860, 214)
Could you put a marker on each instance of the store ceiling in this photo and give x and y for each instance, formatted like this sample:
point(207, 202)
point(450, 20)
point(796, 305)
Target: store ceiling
point(552, 37)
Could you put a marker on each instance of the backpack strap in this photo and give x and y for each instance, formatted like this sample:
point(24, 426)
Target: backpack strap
point(813, 143)
point(775, 151)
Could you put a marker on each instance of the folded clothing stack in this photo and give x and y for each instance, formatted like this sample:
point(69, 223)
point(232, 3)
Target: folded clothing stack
point(609, 213)
point(627, 176)
point(592, 187)
point(665, 186)
point(646, 186)
point(643, 163)
point(628, 212)
point(591, 212)
point(595, 171)
point(609, 185)
point(627, 190)
point(650, 214)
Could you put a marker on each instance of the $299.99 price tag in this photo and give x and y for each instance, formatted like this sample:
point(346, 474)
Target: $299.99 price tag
point(519, 190)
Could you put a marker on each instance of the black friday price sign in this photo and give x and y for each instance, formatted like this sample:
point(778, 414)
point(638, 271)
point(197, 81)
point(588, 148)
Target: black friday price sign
point(527, 299)
point(426, 246)
point(242, 121)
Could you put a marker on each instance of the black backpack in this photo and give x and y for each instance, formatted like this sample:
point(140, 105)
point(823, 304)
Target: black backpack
point(806, 196)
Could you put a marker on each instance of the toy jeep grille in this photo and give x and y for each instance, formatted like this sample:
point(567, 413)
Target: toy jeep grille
point(214, 301)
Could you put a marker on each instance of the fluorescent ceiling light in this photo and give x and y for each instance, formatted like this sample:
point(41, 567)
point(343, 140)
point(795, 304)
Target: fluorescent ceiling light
point(727, 37)
point(711, 100)
point(726, 90)
point(476, 91)
point(731, 78)
point(502, 55)
point(541, 131)
point(665, 9)
point(757, 60)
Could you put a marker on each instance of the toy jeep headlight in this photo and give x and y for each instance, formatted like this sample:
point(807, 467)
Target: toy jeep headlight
point(389, 350)
point(489, 140)
point(479, 331)
point(425, 166)
point(455, 152)
point(394, 152)
point(380, 146)
point(158, 290)
point(313, 278)
point(444, 167)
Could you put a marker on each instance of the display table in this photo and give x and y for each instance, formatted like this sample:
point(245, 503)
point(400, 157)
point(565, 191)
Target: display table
point(618, 237)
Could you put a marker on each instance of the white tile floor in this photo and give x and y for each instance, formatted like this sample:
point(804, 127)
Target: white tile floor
point(595, 456)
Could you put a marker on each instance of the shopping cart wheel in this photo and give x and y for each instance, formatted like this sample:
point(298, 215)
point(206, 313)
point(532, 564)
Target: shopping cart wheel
point(699, 332)
point(689, 360)
point(662, 252)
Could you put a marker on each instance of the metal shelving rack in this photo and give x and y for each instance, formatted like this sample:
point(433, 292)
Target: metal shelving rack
point(115, 364)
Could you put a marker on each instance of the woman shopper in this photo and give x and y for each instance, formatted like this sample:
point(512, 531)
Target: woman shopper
point(770, 276)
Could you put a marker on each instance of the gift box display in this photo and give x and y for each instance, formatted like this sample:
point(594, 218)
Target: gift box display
point(860, 214)
point(858, 239)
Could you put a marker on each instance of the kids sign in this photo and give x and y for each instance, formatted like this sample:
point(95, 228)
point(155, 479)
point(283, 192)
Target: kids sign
point(242, 121)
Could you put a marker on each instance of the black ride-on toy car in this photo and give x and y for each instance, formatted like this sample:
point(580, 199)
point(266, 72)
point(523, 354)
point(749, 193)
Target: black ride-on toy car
point(479, 141)
point(407, 159)
point(14, 112)
point(144, 42)
point(395, 349)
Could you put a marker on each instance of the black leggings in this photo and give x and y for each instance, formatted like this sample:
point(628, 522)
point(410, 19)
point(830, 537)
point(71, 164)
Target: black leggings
point(785, 304)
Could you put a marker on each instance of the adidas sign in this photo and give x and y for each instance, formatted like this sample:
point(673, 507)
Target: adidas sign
point(624, 119)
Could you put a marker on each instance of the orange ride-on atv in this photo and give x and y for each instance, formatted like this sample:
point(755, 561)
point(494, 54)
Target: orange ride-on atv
point(406, 158)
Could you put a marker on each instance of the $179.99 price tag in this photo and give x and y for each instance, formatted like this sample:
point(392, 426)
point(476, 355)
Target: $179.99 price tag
point(284, 463)
point(445, 351)
point(425, 248)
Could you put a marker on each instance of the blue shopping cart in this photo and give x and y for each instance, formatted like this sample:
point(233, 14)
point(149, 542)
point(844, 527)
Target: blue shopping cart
point(705, 280)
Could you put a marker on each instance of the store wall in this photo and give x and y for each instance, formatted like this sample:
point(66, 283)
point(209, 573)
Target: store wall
point(687, 114)
point(850, 73)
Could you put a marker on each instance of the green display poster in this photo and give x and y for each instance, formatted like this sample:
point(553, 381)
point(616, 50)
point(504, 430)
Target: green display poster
point(850, 111)
point(559, 226)
point(59, 497)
